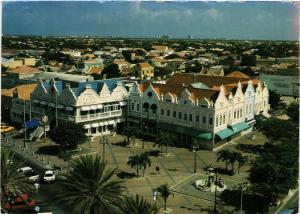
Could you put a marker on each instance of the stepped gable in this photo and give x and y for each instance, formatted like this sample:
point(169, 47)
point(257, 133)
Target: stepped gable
point(176, 91)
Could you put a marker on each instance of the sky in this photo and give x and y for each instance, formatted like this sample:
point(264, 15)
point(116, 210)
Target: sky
point(230, 20)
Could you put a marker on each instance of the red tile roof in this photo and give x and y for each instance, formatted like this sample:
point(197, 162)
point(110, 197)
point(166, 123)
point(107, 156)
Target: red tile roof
point(210, 81)
point(176, 91)
point(237, 74)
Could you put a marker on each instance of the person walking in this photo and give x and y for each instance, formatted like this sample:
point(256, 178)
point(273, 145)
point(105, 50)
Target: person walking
point(37, 186)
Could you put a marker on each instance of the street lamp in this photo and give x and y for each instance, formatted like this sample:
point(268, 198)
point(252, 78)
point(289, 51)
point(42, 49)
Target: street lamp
point(195, 147)
point(243, 188)
point(155, 196)
point(103, 141)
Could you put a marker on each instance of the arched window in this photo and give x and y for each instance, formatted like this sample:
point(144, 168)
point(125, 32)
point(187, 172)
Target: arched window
point(146, 106)
point(154, 108)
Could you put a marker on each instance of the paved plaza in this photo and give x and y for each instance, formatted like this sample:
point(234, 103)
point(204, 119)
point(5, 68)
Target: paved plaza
point(176, 169)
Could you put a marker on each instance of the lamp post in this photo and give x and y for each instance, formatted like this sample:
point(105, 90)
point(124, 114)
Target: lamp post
point(243, 188)
point(195, 147)
point(154, 197)
point(215, 207)
point(103, 141)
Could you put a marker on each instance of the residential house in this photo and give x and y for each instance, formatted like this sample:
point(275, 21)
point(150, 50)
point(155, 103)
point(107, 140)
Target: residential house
point(145, 70)
point(18, 75)
point(15, 102)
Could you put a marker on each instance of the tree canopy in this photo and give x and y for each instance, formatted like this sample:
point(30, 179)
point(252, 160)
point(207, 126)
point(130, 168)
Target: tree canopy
point(293, 112)
point(68, 135)
point(90, 188)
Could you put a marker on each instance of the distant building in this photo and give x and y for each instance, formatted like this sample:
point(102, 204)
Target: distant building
point(18, 75)
point(145, 70)
point(283, 81)
point(18, 62)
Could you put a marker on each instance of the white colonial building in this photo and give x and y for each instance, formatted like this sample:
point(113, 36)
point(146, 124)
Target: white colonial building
point(100, 106)
point(206, 110)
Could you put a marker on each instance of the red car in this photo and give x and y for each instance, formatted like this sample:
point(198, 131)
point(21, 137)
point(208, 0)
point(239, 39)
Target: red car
point(22, 202)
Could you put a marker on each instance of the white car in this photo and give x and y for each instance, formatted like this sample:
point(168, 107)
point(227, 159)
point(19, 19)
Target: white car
point(28, 172)
point(49, 176)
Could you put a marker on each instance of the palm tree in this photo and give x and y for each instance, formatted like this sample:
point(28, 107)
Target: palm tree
point(242, 160)
point(130, 133)
point(224, 156)
point(13, 184)
point(134, 161)
point(144, 161)
point(165, 139)
point(137, 205)
point(164, 192)
point(233, 156)
point(89, 187)
point(139, 161)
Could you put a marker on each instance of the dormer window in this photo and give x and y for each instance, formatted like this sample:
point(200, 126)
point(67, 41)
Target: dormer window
point(168, 100)
point(204, 106)
point(149, 94)
point(184, 102)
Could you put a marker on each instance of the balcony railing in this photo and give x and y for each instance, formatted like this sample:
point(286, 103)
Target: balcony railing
point(97, 116)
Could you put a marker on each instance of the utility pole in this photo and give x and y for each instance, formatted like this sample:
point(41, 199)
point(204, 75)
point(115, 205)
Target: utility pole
point(56, 122)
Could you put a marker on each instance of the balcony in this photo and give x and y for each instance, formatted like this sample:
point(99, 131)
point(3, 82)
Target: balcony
point(96, 116)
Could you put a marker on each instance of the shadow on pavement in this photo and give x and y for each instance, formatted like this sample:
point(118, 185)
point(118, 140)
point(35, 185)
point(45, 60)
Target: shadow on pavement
point(49, 150)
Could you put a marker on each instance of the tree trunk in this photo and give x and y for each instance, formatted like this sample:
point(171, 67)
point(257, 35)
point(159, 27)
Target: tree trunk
point(137, 170)
point(165, 199)
point(166, 149)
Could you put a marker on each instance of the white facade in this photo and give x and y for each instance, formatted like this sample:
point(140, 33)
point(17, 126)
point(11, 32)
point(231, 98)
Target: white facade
point(98, 105)
point(202, 112)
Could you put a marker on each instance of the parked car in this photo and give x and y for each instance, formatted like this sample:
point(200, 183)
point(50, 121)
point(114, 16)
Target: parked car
point(49, 176)
point(5, 129)
point(23, 202)
point(28, 172)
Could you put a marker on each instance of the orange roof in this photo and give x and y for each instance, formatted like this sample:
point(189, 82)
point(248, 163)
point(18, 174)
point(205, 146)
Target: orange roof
point(145, 65)
point(237, 74)
point(176, 91)
point(95, 70)
point(159, 47)
point(120, 62)
point(24, 91)
point(24, 70)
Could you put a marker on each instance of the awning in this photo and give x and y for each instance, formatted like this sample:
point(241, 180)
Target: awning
point(239, 127)
point(225, 133)
point(200, 134)
point(36, 101)
point(87, 126)
point(85, 108)
point(43, 102)
point(100, 106)
point(123, 103)
point(111, 122)
point(95, 125)
point(32, 124)
point(69, 108)
point(93, 107)
point(105, 123)
point(101, 124)
point(51, 104)
point(60, 106)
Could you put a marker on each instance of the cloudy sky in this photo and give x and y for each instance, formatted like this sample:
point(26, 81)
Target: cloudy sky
point(232, 20)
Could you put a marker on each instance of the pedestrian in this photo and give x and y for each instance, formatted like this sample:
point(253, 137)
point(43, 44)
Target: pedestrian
point(37, 186)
